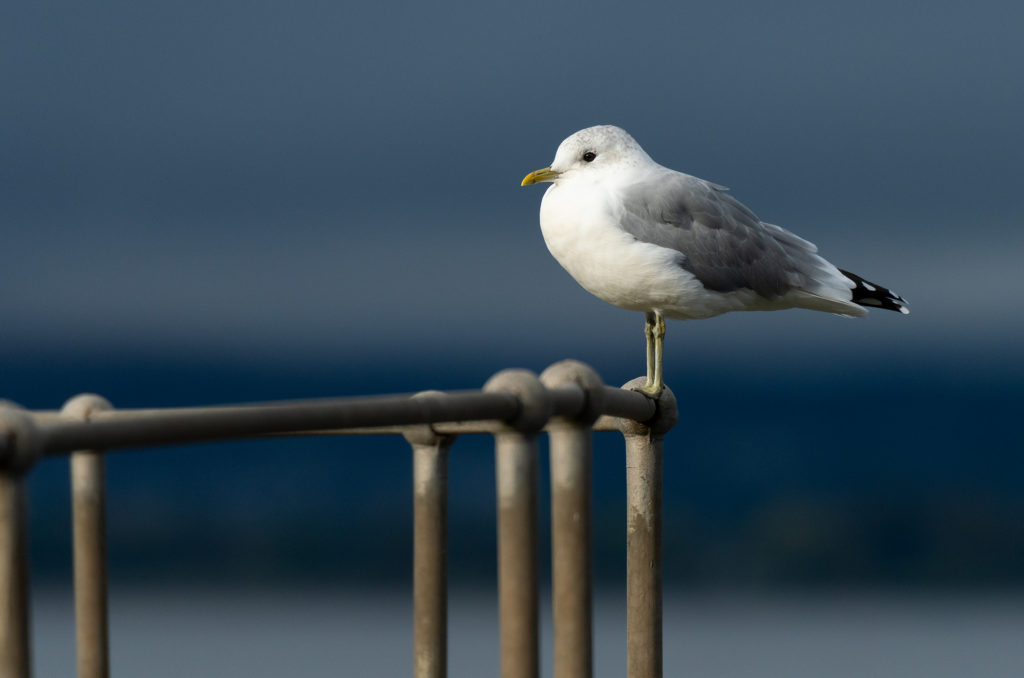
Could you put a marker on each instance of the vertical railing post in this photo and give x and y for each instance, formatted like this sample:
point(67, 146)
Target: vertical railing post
point(17, 453)
point(644, 446)
point(516, 478)
point(88, 510)
point(14, 617)
point(430, 549)
point(571, 445)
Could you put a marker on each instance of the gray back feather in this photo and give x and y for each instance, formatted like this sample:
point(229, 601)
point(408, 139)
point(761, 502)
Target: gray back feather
point(724, 245)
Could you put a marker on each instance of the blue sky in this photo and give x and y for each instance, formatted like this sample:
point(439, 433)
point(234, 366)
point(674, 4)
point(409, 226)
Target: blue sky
point(294, 180)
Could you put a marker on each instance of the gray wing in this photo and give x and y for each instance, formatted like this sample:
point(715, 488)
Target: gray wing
point(724, 245)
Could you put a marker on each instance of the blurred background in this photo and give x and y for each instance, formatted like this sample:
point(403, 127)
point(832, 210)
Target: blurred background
point(233, 201)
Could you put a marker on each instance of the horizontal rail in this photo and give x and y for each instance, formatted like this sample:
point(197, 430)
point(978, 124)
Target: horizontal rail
point(606, 423)
point(451, 413)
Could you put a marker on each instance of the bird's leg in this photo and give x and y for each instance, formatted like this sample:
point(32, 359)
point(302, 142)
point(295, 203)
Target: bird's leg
point(654, 332)
point(649, 336)
point(659, 354)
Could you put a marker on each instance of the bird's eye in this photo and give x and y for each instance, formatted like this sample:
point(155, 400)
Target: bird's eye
point(589, 156)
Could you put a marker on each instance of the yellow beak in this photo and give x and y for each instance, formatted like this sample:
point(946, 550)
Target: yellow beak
point(546, 174)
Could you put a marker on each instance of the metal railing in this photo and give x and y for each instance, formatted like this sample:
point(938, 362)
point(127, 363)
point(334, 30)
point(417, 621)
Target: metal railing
point(568, 402)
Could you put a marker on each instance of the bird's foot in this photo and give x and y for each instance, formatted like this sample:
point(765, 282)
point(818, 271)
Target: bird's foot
point(651, 390)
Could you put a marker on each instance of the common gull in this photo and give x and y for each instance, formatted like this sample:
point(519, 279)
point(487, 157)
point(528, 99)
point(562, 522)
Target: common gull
point(647, 238)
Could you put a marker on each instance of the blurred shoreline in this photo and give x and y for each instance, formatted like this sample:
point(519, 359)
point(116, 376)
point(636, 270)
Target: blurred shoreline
point(186, 632)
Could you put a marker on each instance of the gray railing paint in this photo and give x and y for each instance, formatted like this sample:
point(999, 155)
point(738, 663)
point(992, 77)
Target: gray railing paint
point(568, 401)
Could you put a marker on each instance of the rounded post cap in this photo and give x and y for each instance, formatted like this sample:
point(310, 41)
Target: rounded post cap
point(666, 413)
point(424, 434)
point(534, 402)
point(575, 372)
point(81, 406)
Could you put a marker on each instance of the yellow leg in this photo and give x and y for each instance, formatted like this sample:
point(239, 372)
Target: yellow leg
point(649, 336)
point(659, 354)
point(654, 332)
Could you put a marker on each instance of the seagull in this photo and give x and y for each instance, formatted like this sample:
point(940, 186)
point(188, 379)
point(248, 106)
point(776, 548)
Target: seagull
point(647, 238)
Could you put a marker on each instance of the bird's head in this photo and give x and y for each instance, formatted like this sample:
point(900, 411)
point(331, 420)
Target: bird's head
point(593, 152)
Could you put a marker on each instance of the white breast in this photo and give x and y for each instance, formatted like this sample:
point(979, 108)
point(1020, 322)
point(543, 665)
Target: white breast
point(579, 226)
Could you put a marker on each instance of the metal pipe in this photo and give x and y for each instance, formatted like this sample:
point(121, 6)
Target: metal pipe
point(132, 428)
point(616, 404)
point(515, 452)
point(571, 454)
point(571, 445)
point(88, 510)
point(644, 448)
point(492, 426)
point(90, 540)
point(15, 657)
point(643, 557)
point(430, 550)
point(518, 585)
point(378, 414)
point(430, 562)
point(626, 403)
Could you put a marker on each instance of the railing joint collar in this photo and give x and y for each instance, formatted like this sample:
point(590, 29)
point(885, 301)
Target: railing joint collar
point(534, 400)
point(666, 414)
point(426, 434)
point(82, 406)
point(19, 439)
point(573, 372)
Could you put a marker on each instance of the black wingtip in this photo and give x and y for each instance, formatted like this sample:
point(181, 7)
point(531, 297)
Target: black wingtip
point(870, 295)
